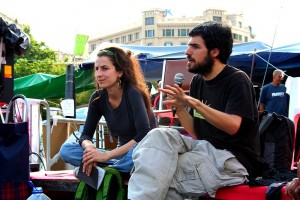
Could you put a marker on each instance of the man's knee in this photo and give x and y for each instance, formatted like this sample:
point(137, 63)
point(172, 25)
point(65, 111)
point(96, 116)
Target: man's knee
point(164, 139)
point(160, 135)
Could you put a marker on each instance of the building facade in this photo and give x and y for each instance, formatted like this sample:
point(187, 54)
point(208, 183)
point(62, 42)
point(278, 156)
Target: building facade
point(157, 29)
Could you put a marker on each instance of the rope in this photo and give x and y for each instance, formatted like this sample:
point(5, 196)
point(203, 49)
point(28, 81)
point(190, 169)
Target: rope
point(268, 62)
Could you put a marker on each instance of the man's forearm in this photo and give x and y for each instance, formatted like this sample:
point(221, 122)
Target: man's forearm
point(186, 121)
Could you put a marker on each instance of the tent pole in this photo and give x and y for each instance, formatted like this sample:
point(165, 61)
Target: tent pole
point(252, 65)
point(162, 84)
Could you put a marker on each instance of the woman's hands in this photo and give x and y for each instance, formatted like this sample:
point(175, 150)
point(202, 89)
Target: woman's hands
point(90, 158)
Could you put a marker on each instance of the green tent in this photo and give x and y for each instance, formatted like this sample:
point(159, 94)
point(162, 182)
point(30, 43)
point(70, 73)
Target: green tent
point(32, 79)
point(44, 86)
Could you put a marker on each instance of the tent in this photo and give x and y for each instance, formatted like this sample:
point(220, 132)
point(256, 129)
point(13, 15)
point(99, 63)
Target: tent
point(262, 62)
point(41, 86)
point(251, 57)
point(151, 57)
point(32, 79)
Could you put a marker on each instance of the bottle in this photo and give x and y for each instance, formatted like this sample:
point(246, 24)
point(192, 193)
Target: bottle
point(37, 193)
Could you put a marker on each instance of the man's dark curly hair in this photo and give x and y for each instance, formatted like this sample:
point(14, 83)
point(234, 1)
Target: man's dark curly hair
point(215, 35)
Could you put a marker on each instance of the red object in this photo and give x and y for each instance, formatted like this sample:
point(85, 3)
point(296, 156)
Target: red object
point(53, 175)
point(297, 154)
point(167, 114)
point(3, 104)
point(239, 192)
point(245, 192)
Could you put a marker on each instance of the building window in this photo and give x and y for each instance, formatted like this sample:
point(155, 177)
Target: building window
point(183, 43)
point(168, 44)
point(150, 44)
point(117, 40)
point(123, 39)
point(111, 41)
point(183, 32)
point(130, 37)
point(149, 33)
point(93, 47)
point(235, 36)
point(217, 19)
point(137, 35)
point(240, 38)
point(246, 39)
point(168, 32)
point(149, 21)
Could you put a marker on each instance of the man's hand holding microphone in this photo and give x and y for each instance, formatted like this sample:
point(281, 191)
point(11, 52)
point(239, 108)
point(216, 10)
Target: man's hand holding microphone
point(175, 93)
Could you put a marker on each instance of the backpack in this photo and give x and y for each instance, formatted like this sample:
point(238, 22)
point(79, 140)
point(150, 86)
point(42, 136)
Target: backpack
point(277, 140)
point(111, 187)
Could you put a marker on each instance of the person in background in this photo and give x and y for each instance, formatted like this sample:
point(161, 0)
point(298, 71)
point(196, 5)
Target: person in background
point(273, 96)
point(149, 87)
point(222, 116)
point(124, 102)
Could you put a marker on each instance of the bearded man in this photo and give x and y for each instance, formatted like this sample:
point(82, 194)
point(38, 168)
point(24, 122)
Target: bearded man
point(221, 118)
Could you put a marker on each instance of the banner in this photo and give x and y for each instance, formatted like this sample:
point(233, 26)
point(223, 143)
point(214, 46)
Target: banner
point(80, 42)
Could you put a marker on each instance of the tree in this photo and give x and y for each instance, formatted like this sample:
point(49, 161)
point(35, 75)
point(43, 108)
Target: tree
point(39, 58)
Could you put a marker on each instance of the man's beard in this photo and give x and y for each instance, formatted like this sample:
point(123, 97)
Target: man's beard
point(202, 68)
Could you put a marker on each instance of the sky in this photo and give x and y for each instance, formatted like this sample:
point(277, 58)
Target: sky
point(56, 22)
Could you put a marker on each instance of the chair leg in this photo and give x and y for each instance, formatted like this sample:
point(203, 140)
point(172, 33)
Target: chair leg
point(171, 121)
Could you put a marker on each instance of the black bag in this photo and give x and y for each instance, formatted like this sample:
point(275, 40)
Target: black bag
point(14, 148)
point(277, 141)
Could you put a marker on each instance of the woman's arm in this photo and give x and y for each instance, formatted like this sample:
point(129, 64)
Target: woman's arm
point(91, 155)
point(136, 106)
point(93, 116)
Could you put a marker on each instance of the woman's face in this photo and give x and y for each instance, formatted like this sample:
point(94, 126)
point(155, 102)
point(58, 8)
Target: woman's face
point(105, 73)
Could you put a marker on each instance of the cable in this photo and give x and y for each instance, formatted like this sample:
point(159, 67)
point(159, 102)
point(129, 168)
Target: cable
point(271, 64)
point(40, 158)
point(77, 138)
point(271, 47)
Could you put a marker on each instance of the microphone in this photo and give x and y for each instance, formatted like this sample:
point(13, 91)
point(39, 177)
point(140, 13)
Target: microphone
point(178, 79)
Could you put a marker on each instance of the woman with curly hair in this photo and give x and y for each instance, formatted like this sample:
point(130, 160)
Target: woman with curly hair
point(123, 99)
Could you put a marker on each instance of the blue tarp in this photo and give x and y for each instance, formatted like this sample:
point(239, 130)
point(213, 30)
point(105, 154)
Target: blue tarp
point(151, 58)
point(286, 58)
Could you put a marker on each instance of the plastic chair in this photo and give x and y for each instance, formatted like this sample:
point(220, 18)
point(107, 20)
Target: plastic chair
point(156, 101)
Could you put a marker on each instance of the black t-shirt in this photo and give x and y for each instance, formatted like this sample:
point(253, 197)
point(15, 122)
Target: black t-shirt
point(232, 92)
point(128, 121)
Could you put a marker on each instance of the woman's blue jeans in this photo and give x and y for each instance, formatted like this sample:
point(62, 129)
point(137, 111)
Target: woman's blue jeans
point(72, 152)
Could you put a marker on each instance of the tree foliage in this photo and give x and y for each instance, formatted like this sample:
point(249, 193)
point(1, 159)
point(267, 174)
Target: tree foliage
point(39, 58)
